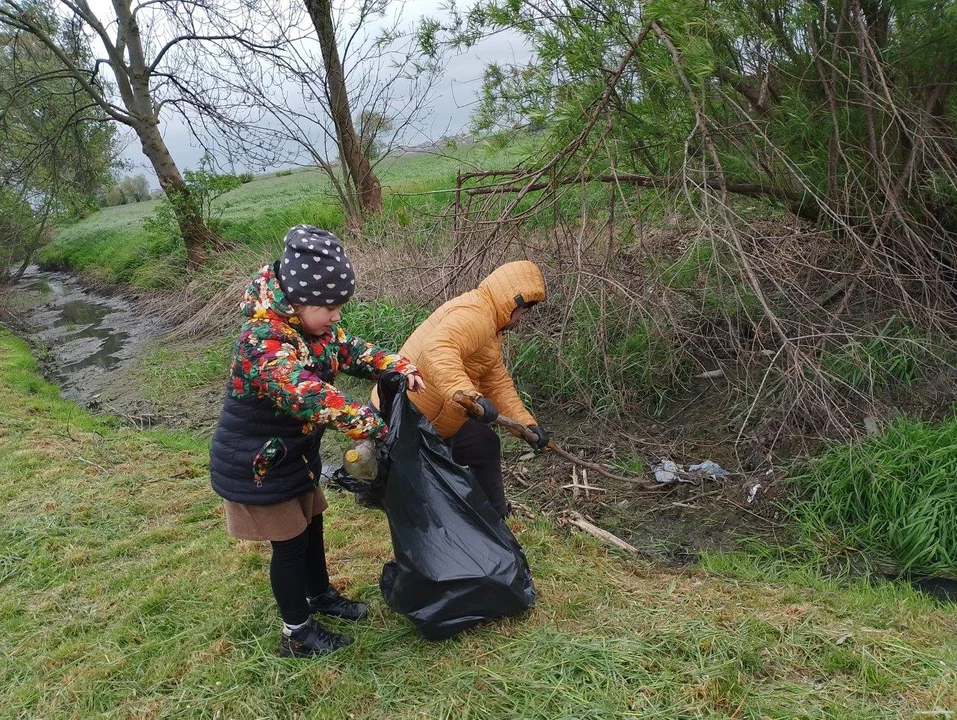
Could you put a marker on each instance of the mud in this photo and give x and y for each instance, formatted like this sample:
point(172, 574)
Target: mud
point(84, 341)
point(672, 525)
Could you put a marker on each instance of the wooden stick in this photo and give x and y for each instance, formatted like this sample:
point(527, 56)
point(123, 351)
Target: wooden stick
point(520, 431)
point(581, 523)
point(586, 488)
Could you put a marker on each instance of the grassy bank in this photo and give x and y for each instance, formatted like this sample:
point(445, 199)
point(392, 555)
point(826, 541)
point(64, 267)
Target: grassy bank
point(121, 596)
point(117, 245)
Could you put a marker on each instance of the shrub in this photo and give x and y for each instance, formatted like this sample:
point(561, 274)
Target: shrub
point(892, 496)
point(204, 186)
point(605, 358)
point(894, 354)
point(381, 322)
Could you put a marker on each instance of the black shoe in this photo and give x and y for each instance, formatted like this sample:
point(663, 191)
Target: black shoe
point(334, 604)
point(311, 639)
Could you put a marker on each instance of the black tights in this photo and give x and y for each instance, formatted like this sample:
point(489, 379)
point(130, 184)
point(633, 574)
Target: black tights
point(298, 570)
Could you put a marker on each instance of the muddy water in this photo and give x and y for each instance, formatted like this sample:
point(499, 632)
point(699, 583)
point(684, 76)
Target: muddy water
point(89, 338)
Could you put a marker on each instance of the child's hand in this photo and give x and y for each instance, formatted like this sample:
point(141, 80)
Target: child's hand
point(415, 383)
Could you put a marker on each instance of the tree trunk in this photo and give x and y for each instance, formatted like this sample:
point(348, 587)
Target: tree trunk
point(357, 165)
point(144, 119)
point(196, 235)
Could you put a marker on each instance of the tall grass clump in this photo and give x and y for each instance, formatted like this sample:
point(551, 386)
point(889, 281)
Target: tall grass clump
point(599, 356)
point(892, 496)
point(382, 322)
point(892, 354)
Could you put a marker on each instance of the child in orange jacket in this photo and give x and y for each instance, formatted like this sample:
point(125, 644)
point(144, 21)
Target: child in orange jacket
point(459, 347)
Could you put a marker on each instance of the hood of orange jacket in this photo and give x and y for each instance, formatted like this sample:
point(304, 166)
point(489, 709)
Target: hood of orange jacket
point(459, 347)
point(511, 286)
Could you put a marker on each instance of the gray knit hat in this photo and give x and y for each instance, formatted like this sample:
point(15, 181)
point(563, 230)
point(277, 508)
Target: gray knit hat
point(314, 269)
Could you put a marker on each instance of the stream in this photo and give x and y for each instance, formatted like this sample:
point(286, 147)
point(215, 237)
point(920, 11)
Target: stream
point(89, 338)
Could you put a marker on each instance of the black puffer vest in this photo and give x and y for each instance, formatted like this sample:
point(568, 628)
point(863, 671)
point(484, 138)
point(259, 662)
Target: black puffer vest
point(259, 455)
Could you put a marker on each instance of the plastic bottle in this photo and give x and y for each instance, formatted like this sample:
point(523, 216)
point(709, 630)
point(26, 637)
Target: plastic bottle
point(360, 460)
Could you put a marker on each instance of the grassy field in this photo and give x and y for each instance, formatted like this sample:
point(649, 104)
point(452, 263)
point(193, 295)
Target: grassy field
point(115, 245)
point(644, 366)
point(122, 597)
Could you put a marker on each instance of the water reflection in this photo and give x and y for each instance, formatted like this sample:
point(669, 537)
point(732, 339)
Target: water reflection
point(83, 320)
point(88, 335)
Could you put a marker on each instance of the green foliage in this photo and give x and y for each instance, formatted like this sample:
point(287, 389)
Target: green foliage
point(753, 70)
point(204, 187)
point(382, 323)
point(632, 466)
point(130, 189)
point(601, 357)
point(687, 269)
point(375, 129)
point(893, 354)
point(56, 152)
point(891, 495)
point(707, 273)
point(18, 228)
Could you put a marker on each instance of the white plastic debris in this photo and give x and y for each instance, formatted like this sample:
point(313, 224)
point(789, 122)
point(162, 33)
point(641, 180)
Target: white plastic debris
point(666, 472)
point(753, 493)
point(710, 468)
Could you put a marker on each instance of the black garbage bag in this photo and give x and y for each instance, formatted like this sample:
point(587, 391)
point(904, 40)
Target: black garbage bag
point(369, 493)
point(456, 562)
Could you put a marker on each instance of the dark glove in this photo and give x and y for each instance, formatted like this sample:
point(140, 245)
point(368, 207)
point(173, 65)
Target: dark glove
point(489, 412)
point(542, 437)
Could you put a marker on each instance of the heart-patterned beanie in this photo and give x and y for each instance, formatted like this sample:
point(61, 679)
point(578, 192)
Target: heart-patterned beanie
point(314, 269)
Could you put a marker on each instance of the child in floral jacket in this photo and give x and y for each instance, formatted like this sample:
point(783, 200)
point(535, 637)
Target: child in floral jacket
point(264, 459)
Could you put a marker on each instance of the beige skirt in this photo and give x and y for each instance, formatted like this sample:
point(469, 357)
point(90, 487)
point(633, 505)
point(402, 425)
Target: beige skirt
point(282, 521)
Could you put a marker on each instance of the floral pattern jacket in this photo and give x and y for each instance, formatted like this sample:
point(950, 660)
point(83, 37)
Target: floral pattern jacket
point(280, 398)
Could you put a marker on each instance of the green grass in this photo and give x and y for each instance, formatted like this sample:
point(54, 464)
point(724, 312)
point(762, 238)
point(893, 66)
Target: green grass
point(382, 322)
point(708, 273)
point(121, 596)
point(892, 496)
point(894, 354)
point(114, 245)
point(634, 362)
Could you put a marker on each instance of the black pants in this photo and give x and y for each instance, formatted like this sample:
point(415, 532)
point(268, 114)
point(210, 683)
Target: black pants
point(477, 446)
point(298, 570)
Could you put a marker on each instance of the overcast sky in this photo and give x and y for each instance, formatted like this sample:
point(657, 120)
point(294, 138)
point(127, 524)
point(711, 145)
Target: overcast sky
point(450, 111)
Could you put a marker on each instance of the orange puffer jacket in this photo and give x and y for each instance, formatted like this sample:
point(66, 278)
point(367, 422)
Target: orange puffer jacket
point(459, 347)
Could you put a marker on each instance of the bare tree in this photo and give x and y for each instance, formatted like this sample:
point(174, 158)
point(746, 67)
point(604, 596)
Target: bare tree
point(362, 176)
point(161, 54)
point(356, 61)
